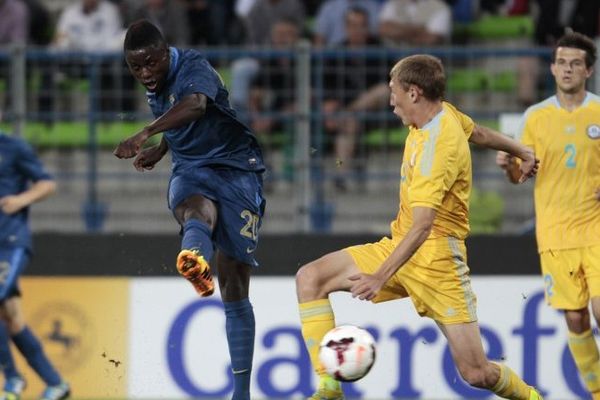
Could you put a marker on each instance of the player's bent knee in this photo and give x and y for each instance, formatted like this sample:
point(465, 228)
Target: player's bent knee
point(578, 321)
point(308, 281)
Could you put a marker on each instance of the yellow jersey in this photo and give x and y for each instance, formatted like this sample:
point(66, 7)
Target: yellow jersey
point(568, 146)
point(436, 173)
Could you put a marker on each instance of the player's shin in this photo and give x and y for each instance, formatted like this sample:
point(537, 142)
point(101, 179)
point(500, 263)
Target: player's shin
point(31, 349)
point(6, 359)
point(196, 251)
point(317, 319)
point(240, 328)
point(585, 353)
point(197, 236)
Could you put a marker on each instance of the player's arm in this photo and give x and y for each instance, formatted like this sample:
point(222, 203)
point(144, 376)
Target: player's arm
point(366, 286)
point(148, 157)
point(516, 172)
point(188, 109)
point(36, 192)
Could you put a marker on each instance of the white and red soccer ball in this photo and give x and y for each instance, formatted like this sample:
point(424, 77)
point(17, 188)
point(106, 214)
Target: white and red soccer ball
point(347, 353)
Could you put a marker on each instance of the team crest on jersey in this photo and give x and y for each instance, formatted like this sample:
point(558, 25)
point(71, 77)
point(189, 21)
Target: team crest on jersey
point(593, 131)
point(172, 99)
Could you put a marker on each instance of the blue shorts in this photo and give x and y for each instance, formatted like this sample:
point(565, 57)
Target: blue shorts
point(240, 205)
point(12, 264)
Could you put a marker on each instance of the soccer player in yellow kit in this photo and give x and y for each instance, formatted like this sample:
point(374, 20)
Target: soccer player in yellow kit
point(564, 132)
point(425, 258)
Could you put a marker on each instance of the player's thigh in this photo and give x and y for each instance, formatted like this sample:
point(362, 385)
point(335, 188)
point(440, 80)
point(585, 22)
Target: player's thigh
point(438, 282)
point(12, 264)
point(191, 194)
point(13, 314)
point(241, 207)
point(464, 341)
point(565, 285)
point(327, 274)
point(591, 269)
point(369, 257)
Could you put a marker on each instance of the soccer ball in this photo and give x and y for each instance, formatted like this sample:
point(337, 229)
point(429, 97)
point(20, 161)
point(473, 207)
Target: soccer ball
point(347, 353)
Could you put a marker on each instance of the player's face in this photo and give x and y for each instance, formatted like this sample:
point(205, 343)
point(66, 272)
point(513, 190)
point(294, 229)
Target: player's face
point(400, 101)
point(569, 70)
point(150, 66)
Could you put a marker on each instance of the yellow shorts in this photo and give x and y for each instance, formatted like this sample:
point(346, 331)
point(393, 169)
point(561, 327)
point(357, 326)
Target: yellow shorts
point(571, 276)
point(436, 278)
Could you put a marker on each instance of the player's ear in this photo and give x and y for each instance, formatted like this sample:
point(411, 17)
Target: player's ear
point(413, 92)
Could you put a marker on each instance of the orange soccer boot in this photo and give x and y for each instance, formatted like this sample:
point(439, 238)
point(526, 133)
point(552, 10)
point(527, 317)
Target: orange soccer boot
point(196, 270)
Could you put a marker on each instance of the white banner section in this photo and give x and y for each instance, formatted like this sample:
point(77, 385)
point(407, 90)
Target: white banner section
point(178, 345)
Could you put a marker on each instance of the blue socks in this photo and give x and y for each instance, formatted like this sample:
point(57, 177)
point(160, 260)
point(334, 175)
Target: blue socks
point(239, 324)
point(198, 236)
point(32, 350)
point(7, 363)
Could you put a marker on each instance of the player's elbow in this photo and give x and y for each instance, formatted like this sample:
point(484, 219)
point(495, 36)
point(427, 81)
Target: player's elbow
point(49, 187)
point(478, 136)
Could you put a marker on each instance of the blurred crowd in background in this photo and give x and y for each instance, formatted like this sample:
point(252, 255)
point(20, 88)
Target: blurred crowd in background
point(350, 97)
point(99, 24)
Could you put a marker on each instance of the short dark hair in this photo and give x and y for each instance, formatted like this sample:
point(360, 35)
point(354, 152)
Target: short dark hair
point(577, 40)
point(141, 34)
point(424, 71)
point(357, 10)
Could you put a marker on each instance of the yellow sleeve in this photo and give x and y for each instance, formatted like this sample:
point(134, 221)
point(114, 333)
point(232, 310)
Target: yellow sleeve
point(436, 168)
point(468, 125)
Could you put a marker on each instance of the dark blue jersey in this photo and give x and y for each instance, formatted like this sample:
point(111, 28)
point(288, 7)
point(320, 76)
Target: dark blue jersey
point(219, 137)
point(19, 166)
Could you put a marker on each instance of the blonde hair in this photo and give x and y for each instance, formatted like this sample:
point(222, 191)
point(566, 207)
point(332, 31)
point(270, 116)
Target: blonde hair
point(423, 71)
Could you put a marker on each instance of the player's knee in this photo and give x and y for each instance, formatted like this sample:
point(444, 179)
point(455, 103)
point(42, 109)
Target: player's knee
point(14, 322)
point(578, 321)
point(308, 280)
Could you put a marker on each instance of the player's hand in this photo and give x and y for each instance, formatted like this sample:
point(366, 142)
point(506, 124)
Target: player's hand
point(11, 204)
point(503, 160)
point(365, 286)
point(529, 166)
point(131, 146)
point(148, 158)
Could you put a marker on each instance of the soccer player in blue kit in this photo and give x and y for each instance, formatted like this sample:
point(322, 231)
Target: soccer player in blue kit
point(215, 190)
point(23, 181)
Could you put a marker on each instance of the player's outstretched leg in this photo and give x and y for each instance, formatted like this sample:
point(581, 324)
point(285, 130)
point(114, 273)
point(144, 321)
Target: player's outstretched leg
point(14, 384)
point(32, 350)
point(196, 250)
point(316, 315)
point(317, 319)
point(464, 340)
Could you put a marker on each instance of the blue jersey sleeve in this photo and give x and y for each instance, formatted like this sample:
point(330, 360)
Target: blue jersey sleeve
point(198, 76)
point(29, 165)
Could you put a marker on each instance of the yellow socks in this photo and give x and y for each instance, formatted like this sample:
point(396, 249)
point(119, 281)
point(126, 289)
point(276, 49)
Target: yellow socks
point(317, 319)
point(510, 386)
point(585, 353)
